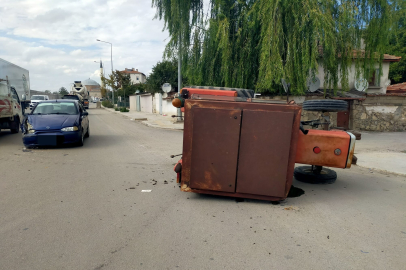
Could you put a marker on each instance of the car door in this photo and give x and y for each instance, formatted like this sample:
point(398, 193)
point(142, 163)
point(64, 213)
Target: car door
point(16, 103)
point(84, 118)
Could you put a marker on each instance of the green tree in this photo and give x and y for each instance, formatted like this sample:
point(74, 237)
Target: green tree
point(256, 43)
point(164, 72)
point(397, 46)
point(121, 83)
point(62, 91)
point(131, 89)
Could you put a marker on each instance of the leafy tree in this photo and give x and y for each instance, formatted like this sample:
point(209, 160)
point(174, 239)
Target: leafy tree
point(47, 92)
point(56, 94)
point(121, 83)
point(164, 72)
point(113, 80)
point(63, 91)
point(131, 89)
point(397, 46)
point(255, 43)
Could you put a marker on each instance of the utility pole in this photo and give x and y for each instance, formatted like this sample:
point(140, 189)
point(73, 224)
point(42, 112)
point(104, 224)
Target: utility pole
point(179, 76)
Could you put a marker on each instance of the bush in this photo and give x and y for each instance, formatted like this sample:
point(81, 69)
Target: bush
point(116, 109)
point(107, 104)
point(124, 109)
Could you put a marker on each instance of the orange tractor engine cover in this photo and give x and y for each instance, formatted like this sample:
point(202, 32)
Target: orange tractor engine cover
point(333, 148)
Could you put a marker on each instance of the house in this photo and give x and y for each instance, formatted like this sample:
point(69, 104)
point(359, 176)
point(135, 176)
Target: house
point(377, 84)
point(399, 88)
point(93, 87)
point(135, 75)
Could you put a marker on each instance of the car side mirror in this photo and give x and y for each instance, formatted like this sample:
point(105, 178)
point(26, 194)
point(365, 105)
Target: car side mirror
point(85, 113)
point(23, 97)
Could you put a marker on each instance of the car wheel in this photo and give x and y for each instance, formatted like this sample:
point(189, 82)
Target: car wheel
point(88, 132)
point(82, 138)
point(307, 174)
point(15, 125)
point(325, 105)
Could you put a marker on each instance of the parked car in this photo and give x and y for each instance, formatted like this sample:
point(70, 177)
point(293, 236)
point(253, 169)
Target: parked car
point(56, 123)
point(37, 98)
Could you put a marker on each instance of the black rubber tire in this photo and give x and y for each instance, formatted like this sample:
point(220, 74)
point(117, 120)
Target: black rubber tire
point(15, 128)
point(80, 143)
point(88, 132)
point(306, 175)
point(325, 105)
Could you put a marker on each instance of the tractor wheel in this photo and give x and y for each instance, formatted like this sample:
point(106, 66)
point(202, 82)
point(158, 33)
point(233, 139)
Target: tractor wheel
point(325, 105)
point(307, 174)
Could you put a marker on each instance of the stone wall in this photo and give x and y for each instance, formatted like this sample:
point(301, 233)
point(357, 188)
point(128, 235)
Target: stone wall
point(372, 113)
point(307, 115)
point(379, 113)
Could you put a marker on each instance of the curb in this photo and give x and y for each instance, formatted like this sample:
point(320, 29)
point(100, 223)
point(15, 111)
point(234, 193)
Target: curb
point(381, 171)
point(148, 124)
point(143, 120)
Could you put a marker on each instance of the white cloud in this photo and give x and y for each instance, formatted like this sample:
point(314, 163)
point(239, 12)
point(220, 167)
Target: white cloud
point(56, 40)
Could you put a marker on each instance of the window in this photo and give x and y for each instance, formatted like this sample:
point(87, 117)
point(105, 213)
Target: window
point(138, 78)
point(56, 108)
point(35, 97)
point(14, 95)
point(375, 79)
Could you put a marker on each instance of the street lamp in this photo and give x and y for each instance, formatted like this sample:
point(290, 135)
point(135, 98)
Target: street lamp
point(111, 44)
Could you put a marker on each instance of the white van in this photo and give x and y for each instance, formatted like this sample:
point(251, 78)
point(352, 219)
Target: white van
point(37, 98)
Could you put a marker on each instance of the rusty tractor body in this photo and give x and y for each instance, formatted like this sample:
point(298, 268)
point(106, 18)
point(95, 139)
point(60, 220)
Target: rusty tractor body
point(234, 146)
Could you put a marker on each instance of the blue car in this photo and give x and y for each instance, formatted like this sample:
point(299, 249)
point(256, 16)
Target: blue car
point(56, 123)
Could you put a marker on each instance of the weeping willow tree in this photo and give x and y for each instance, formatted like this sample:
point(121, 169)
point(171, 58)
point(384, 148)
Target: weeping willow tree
point(255, 43)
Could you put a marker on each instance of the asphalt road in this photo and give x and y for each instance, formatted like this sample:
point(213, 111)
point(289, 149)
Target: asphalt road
point(82, 208)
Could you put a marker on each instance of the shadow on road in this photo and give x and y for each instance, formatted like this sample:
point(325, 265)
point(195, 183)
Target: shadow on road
point(94, 141)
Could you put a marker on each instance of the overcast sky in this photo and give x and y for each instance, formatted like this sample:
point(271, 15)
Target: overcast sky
point(56, 39)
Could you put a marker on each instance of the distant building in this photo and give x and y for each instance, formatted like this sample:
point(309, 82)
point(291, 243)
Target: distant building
point(93, 87)
point(135, 75)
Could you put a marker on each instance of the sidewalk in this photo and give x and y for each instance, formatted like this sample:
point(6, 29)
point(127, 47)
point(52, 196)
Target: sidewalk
point(150, 119)
point(382, 151)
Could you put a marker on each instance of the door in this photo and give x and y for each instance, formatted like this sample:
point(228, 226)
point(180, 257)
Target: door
point(343, 119)
point(214, 155)
point(264, 152)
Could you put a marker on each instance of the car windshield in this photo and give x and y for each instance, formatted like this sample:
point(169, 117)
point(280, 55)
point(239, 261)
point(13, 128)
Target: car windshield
point(38, 97)
point(55, 108)
point(70, 97)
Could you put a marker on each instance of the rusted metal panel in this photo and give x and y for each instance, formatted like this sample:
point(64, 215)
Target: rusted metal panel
point(264, 152)
point(328, 142)
point(188, 139)
point(216, 135)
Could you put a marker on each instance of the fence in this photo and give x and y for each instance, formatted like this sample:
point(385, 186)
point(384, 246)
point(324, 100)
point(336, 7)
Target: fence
point(157, 103)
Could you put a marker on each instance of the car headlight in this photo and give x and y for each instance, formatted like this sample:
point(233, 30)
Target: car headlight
point(74, 128)
point(30, 128)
